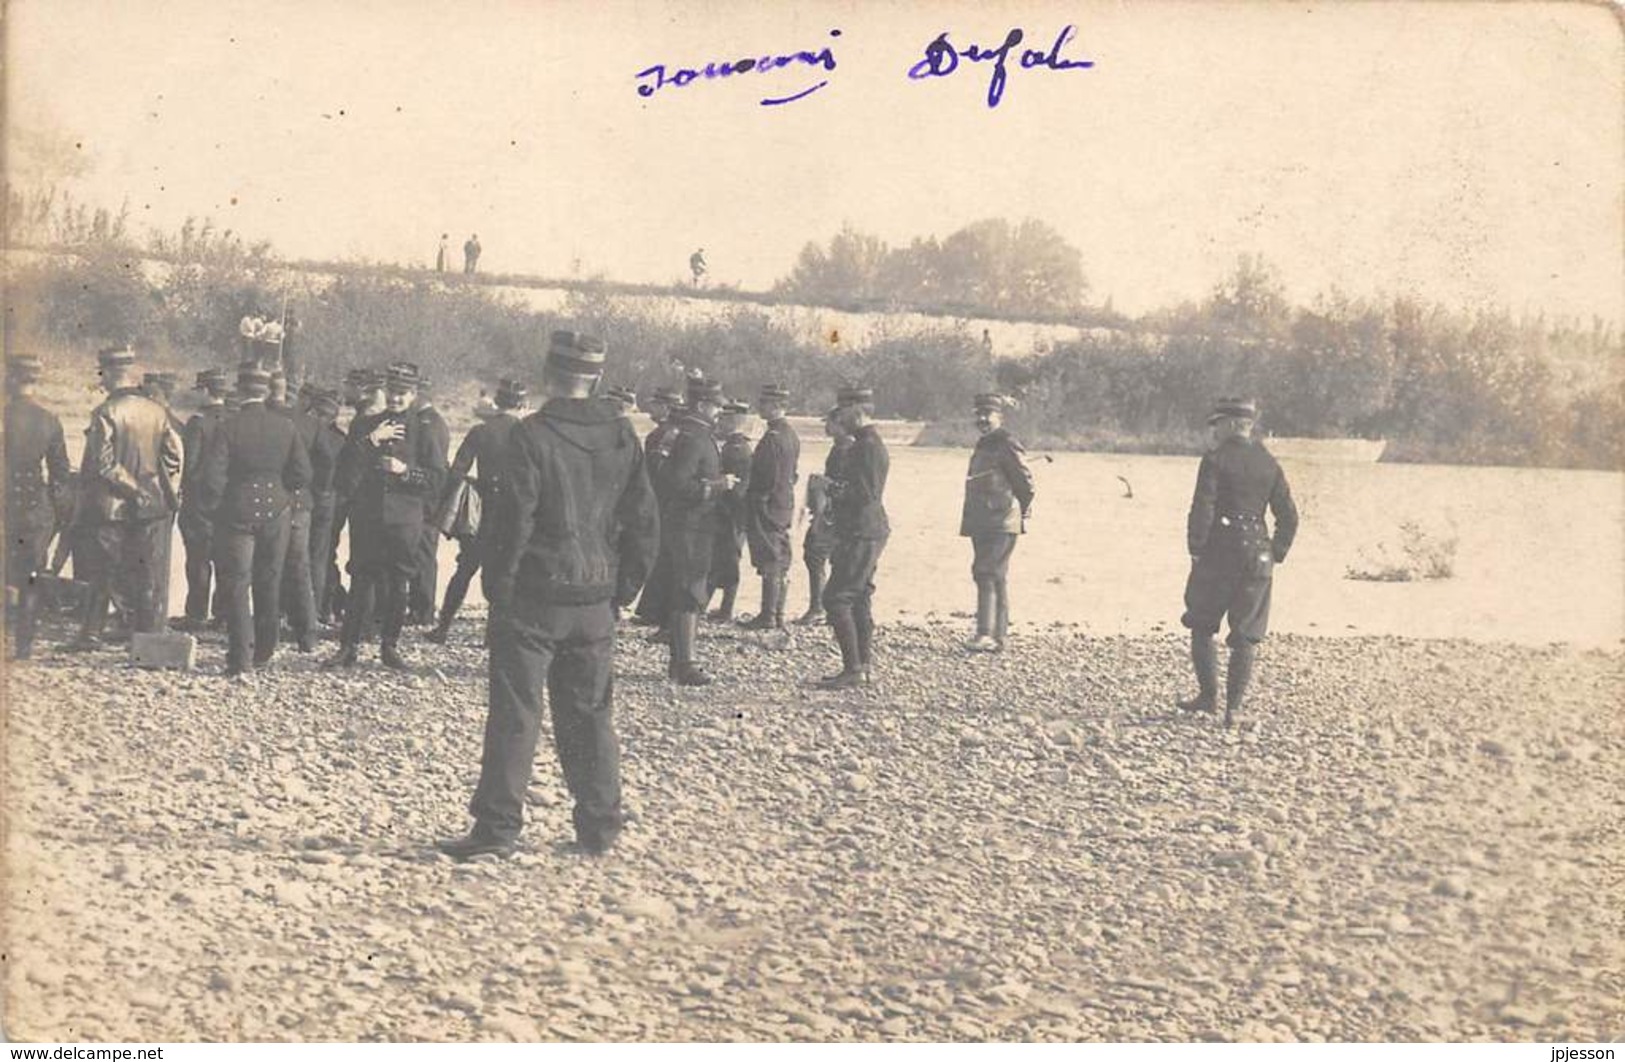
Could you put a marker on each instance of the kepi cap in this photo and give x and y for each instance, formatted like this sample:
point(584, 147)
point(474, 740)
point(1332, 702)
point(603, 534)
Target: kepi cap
point(24, 368)
point(401, 376)
point(775, 392)
point(702, 390)
point(575, 353)
point(116, 357)
point(851, 396)
point(1244, 408)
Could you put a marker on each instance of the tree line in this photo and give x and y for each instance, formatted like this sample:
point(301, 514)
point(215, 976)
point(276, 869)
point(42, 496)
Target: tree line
point(1440, 384)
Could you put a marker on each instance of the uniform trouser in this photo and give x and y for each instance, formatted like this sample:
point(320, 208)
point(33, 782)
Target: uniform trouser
point(726, 549)
point(251, 556)
point(851, 587)
point(990, 568)
point(470, 555)
point(383, 558)
point(298, 591)
point(1231, 581)
point(426, 580)
point(166, 547)
point(652, 602)
point(130, 556)
point(324, 547)
point(569, 649)
point(25, 558)
point(197, 536)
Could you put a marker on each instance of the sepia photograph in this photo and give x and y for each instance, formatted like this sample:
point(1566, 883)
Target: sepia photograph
point(656, 521)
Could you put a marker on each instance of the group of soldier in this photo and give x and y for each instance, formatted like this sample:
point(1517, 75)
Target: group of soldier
point(569, 518)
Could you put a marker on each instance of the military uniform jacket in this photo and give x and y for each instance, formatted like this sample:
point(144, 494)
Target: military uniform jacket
point(692, 477)
point(197, 437)
point(584, 527)
point(324, 458)
point(1234, 484)
point(440, 432)
point(998, 487)
point(481, 452)
point(657, 447)
point(858, 509)
point(37, 468)
point(254, 467)
point(734, 454)
point(133, 459)
point(393, 499)
point(772, 492)
point(305, 428)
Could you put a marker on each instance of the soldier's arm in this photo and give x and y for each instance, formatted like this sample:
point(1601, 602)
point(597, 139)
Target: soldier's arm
point(171, 459)
point(212, 473)
point(463, 463)
point(57, 467)
point(1285, 511)
point(521, 472)
point(296, 471)
point(637, 516)
point(1013, 465)
point(684, 474)
point(861, 476)
point(1200, 521)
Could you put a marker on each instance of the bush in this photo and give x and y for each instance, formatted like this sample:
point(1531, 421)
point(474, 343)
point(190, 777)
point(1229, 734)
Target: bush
point(1419, 554)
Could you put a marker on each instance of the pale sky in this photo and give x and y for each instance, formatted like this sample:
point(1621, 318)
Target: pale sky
point(1471, 152)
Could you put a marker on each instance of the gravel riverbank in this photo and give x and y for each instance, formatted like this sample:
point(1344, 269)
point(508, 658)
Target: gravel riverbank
point(1417, 840)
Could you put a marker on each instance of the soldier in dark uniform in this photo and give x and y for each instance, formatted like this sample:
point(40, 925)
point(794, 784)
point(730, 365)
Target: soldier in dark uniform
point(298, 584)
point(255, 465)
point(323, 407)
point(390, 463)
point(364, 394)
point(196, 532)
point(583, 533)
point(37, 472)
point(420, 602)
point(130, 483)
point(819, 542)
point(693, 481)
point(665, 408)
point(1233, 553)
point(998, 503)
point(770, 504)
point(735, 454)
point(861, 530)
point(481, 453)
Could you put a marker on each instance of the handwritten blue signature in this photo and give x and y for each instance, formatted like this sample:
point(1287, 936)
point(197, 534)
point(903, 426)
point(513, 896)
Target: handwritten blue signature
point(658, 77)
point(942, 59)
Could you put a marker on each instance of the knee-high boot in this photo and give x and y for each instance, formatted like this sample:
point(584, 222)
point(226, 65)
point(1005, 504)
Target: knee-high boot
point(815, 594)
point(1205, 661)
point(396, 599)
point(844, 625)
point(1236, 680)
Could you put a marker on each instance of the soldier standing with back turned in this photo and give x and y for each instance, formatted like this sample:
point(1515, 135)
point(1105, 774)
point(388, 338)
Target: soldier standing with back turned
point(37, 473)
point(255, 466)
point(583, 533)
point(1233, 554)
point(130, 484)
